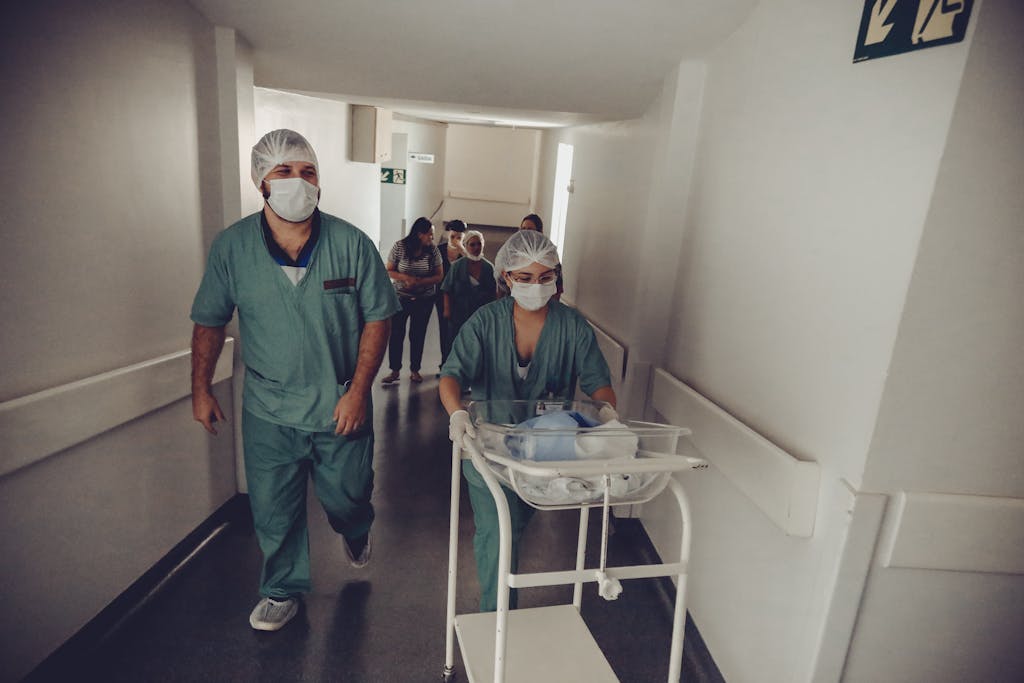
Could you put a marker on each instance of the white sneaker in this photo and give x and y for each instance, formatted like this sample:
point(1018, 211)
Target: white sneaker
point(364, 556)
point(270, 614)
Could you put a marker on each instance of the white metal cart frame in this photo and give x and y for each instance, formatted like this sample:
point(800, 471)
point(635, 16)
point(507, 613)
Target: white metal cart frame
point(565, 620)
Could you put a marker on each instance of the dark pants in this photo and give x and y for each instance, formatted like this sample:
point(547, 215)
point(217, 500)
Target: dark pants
point(444, 326)
point(417, 311)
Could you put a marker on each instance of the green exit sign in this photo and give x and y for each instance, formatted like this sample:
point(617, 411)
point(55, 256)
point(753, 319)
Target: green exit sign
point(394, 176)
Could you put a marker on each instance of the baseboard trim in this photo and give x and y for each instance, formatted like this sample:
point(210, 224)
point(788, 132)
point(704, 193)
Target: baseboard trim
point(78, 650)
point(696, 656)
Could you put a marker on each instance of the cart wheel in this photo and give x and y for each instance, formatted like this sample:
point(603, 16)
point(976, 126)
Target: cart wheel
point(449, 674)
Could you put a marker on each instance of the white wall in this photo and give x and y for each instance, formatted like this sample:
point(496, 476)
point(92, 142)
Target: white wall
point(625, 219)
point(111, 111)
point(790, 257)
point(606, 214)
point(392, 197)
point(251, 202)
point(949, 419)
point(424, 190)
point(814, 176)
point(489, 174)
point(104, 212)
point(349, 190)
point(963, 311)
point(238, 62)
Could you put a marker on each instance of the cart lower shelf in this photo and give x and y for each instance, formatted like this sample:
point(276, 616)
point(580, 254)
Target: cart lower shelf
point(545, 645)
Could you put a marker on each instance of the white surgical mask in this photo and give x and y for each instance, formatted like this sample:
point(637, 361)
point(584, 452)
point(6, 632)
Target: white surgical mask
point(471, 257)
point(293, 199)
point(532, 297)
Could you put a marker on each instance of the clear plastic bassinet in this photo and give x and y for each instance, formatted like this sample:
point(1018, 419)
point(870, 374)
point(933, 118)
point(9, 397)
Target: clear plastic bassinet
point(564, 462)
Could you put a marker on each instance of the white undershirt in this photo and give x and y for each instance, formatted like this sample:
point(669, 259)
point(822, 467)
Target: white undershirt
point(523, 370)
point(294, 273)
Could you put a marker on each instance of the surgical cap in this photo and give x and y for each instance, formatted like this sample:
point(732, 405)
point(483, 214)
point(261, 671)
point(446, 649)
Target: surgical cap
point(526, 247)
point(472, 233)
point(278, 147)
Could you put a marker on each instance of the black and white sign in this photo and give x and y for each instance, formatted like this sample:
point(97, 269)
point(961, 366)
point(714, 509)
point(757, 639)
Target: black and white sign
point(889, 27)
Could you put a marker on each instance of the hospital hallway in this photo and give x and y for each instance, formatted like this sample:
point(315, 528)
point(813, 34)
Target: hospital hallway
point(384, 623)
point(793, 227)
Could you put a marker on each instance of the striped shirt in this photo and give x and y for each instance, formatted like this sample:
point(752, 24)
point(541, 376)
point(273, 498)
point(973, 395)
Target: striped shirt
point(422, 266)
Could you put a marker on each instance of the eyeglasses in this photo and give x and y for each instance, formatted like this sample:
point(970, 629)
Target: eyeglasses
point(529, 279)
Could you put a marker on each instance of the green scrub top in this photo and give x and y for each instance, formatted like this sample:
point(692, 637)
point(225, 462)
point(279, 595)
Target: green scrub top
point(465, 296)
point(483, 356)
point(299, 342)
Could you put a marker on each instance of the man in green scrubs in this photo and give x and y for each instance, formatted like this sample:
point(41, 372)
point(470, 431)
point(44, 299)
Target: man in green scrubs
point(314, 306)
point(527, 346)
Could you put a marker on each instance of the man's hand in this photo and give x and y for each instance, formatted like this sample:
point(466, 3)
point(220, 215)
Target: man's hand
point(206, 410)
point(350, 413)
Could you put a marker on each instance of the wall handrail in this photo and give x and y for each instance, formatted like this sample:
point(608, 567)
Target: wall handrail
point(485, 197)
point(39, 425)
point(781, 486)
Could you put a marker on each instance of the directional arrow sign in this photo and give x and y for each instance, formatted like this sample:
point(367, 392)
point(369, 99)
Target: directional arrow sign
point(878, 29)
point(889, 27)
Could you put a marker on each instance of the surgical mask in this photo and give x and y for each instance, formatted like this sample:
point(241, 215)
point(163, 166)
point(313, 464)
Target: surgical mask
point(471, 257)
point(293, 199)
point(532, 297)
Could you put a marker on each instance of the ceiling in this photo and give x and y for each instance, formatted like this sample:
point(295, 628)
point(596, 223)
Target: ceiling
point(531, 63)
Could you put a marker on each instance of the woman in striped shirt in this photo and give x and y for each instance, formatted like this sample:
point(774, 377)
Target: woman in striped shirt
point(414, 265)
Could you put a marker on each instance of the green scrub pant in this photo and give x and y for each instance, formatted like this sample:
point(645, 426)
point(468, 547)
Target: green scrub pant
point(278, 463)
point(486, 540)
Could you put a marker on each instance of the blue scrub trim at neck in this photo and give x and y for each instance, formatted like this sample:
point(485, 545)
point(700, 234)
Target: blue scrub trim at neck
point(279, 254)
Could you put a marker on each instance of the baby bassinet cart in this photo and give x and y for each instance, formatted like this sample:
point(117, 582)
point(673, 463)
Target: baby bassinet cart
point(561, 458)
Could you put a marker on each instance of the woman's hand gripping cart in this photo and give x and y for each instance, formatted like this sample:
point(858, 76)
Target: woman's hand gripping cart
point(553, 643)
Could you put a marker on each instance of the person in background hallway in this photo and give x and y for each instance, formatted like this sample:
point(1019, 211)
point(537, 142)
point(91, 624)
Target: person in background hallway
point(469, 284)
point(527, 346)
point(451, 251)
point(314, 304)
point(414, 265)
point(533, 222)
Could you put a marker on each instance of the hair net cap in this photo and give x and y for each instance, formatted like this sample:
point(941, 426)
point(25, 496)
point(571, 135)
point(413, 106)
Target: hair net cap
point(470, 234)
point(277, 147)
point(526, 247)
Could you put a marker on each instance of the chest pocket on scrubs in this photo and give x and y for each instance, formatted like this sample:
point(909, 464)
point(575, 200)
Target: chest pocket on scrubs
point(340, 308)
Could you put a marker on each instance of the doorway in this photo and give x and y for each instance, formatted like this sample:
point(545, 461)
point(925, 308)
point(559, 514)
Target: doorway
point(560, 196)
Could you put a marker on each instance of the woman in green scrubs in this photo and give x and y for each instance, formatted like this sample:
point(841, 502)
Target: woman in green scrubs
point(527, 346)
point(468, 285)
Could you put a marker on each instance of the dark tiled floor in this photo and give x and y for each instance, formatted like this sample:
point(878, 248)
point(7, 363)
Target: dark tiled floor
point(384, 623)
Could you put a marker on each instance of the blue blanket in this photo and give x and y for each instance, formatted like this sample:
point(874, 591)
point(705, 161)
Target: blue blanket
point(540, 446)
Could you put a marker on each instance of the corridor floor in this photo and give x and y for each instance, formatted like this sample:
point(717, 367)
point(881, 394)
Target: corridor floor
point(384, 623)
